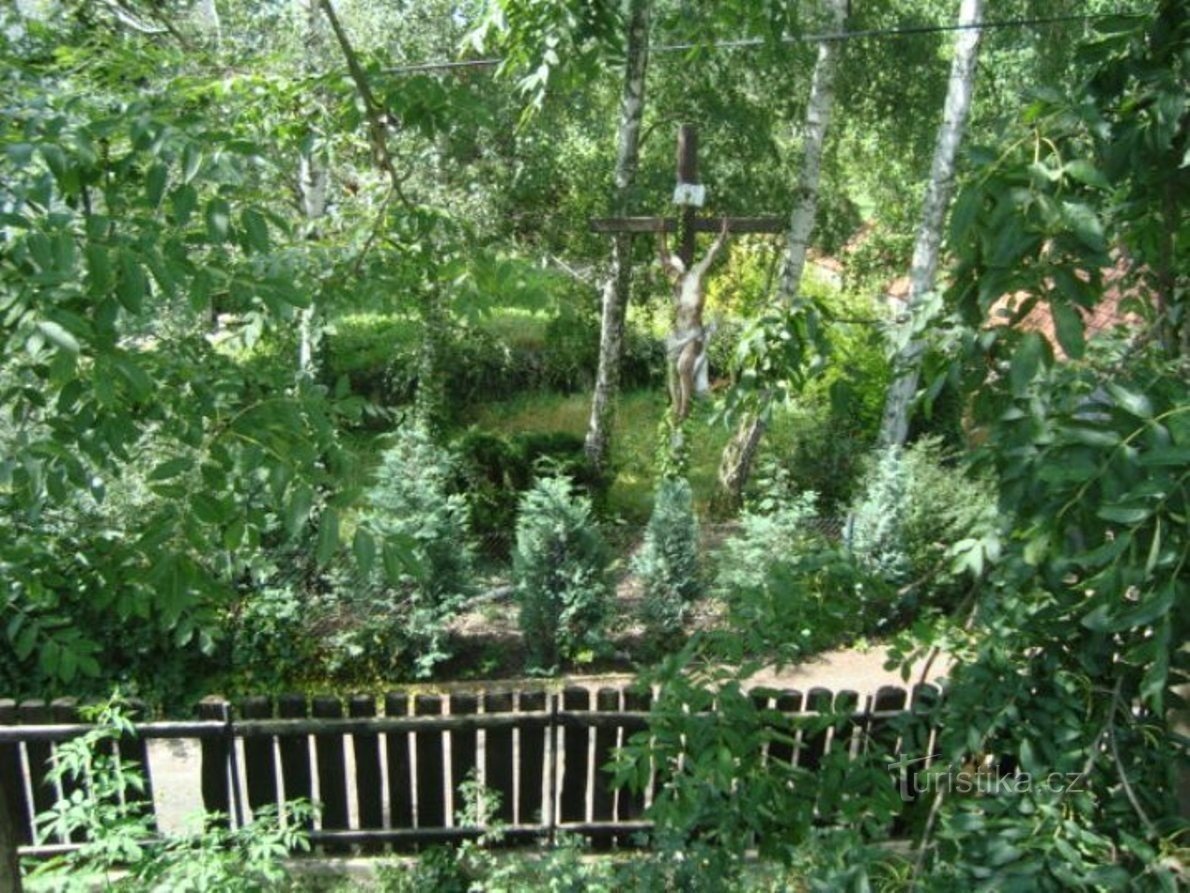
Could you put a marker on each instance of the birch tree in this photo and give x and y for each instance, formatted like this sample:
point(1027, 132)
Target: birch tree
point(618, 285)
point(312, 175)
point(740, 451)
point(894, 425)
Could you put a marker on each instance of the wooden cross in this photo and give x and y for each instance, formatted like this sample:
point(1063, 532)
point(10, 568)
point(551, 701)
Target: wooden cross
point(688, 343)
point(689, 195)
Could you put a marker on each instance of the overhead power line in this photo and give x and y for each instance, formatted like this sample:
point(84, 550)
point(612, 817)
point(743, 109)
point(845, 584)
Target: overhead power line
point(753, 42)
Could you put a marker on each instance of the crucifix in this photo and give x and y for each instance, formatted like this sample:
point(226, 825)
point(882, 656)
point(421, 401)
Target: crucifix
point(687, 343)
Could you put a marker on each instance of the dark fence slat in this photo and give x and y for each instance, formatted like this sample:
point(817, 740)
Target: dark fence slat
point(12, 779)
point(294, 750)
point(499, 770)
point(260, 766)
point(431, 784)
point(607, 738)
point(814, 736)
point(632, 803)
point(575, 758)
point(464, 748)
point(366, 749)
point(400, 771)
point(136, 748)
point(532, 770)
point(788, 703)
point(332, 772)
point(849, 727)
point(216, 757)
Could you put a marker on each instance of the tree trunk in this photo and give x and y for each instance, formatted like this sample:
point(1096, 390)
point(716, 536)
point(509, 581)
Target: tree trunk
point(10, 870)
point(312, 186)
point(736, 463)
point(617, 287)
point(894, 425)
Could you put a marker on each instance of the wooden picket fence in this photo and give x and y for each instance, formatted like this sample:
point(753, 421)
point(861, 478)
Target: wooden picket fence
point(387, 770)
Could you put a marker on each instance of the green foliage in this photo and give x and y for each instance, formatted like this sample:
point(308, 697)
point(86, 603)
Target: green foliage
point(118, 834)
point(668, 560)
point(875, 531)
point(720, 797)
point(413, 552)
point(494, 472)
point(918, 510)
point(502, 355)
point(561, 571)
point(129, 218)
point(773, 526)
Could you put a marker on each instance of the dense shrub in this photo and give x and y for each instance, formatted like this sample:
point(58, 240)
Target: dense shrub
point(493, 360)
point(781, 529)
point(913, 505)
point(667, 562)
point(410, 506)
point(561, 570)
point(121, 849)
point(494, 472)
point(417, 532)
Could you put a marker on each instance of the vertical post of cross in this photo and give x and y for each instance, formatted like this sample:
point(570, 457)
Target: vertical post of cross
point(688, 193)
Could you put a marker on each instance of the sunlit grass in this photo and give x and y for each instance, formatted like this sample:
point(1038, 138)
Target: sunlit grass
point(634, 440)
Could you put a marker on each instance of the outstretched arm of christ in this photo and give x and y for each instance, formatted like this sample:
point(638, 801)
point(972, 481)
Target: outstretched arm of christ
point(703, 265)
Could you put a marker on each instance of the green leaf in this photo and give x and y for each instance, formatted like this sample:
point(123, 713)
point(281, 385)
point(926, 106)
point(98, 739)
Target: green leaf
point(1025, 362)
point(99, 268)
point(1085, 172)
point(1085, 224)
point(184, 200)
point(132, 285)
point(155, 184)
point(1151, 606)
point(1131, 402)
point(364, 547)
point(328, 536)
point(256, 230)
point(191, 162)
point(298, 508)
point(59, 336)
point(1124, 514)
point(1068, 325)
point(171, 468)
point(218, 218)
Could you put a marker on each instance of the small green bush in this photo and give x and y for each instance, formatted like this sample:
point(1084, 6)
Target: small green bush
point(914, 505)
point(495, 471)
point(668, 561)
point(418, 530)
point(771, 529)
point(560, 566)
point(410, 505)
point(121, 849)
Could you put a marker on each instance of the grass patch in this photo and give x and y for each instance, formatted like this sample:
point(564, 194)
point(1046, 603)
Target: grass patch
point(634, 440)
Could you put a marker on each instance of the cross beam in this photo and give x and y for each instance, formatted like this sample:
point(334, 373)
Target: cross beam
point(689, 195)
point(700, 225)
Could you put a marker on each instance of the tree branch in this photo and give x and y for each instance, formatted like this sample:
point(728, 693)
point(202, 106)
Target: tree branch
point(377, 125)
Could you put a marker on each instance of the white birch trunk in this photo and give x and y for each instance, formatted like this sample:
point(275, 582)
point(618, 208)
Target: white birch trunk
point(312, 184)
point(617, 287)
point(894, 425)
point(736, 462)
point(208, 18)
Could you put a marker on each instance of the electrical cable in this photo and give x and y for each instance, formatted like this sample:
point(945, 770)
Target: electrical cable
point(752, 42)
